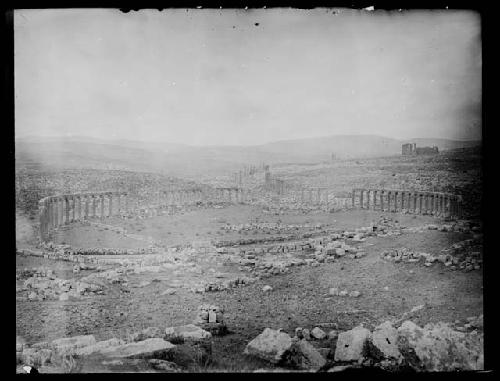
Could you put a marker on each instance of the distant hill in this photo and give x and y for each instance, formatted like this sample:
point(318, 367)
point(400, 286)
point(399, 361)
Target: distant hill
point(185, 161)
point(343, 146)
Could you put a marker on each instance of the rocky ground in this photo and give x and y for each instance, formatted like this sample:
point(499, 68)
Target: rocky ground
point(337, 278)
point(254, 287)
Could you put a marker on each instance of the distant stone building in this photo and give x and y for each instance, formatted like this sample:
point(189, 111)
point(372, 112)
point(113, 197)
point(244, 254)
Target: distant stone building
point(410, 149)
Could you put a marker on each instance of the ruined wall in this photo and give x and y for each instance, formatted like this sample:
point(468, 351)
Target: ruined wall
point(427, 150)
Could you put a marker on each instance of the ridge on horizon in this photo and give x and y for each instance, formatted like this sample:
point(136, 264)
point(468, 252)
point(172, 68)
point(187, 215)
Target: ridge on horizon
point(311, 138)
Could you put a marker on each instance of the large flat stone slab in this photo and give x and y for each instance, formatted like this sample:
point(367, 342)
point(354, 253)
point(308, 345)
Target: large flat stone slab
point(149, 348)
point(187, 332)
point(71, 343)
point(98, 347)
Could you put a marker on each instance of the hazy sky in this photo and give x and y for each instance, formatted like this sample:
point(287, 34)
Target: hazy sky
point(215, 77)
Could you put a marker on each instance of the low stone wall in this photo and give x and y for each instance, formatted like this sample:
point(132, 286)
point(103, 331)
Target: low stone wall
point(431, 203)
point(55, 211)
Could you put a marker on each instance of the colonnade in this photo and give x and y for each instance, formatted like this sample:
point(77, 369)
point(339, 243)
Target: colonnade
point(436, 203)
point(229, 194)
point(180, 197)
point(190, 196)
point(60, 210)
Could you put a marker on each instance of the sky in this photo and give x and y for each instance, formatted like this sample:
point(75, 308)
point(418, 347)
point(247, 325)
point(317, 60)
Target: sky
point(245, 77)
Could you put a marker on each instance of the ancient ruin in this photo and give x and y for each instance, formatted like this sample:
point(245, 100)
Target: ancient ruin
point(410, 149)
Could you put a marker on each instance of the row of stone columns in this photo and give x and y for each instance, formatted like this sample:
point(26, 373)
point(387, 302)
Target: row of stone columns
point(314, 195)
point(247, 171)
point(229, 194)
point(417, 202)
point(55, 211)
point(185, 197)
point(179, 197)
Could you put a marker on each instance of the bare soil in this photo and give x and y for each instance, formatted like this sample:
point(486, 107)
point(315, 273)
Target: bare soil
point(299, 298)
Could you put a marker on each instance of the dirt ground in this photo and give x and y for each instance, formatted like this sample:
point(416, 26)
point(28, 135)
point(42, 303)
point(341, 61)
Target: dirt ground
point(299, 298)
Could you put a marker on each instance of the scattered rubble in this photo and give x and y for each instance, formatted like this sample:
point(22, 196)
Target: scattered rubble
point(457, 256)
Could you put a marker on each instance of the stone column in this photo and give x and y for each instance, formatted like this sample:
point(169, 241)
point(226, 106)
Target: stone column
point(52, 212)
point(59, 211)
point(110, 205)
point(43, 220)
point(86, 206)
point(318, 201)
point(93, 202)
point(302, 196)
point(361, 191)
point(78, 207)
point(118, 202)
point(72, 208)
point(368, 198)
point(353, 197)
point(75, 208)
point(66, 209)
point(102, 205)
point(48, 212)
point(310, 195)
point(382, 200)
point(55, 211)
